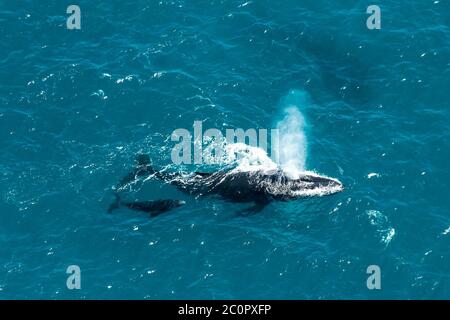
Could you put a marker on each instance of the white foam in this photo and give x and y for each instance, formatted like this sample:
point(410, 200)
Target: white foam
point(382, 225)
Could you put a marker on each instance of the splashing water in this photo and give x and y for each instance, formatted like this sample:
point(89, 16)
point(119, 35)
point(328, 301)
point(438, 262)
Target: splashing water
point(288, 151)
point(249, 158)
point(239, 155)
point(291, 150)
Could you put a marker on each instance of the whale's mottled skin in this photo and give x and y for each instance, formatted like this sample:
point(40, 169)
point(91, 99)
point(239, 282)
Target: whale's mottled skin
point(260, 186)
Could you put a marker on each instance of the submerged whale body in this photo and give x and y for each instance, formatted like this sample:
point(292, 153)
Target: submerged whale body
point(154, 207)
point(258, 186)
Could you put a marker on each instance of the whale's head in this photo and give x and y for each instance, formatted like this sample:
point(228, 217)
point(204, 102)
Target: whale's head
point(317, 181)
point(304, 184)
point(314, 184)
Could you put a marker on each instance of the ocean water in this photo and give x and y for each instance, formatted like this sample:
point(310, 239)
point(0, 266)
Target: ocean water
point(76, 106)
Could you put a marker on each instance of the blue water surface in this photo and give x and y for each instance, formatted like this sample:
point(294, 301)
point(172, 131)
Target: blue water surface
point(76, 106)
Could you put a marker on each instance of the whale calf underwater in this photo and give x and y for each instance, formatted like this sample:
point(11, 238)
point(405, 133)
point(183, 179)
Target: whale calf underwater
point(257, 186)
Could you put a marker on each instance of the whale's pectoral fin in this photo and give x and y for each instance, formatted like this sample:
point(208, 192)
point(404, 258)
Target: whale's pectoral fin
point(115, 205)
point(256, 208)
point(143, 167)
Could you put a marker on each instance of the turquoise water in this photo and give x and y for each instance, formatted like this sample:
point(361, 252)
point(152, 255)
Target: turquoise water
point(77, 105)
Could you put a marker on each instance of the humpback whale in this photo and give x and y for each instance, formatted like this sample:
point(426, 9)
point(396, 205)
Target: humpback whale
point(257, 186)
